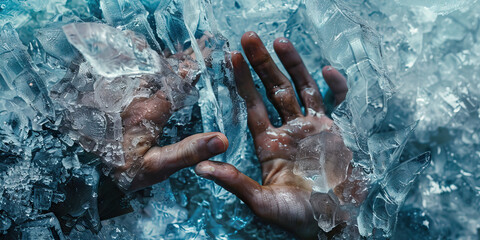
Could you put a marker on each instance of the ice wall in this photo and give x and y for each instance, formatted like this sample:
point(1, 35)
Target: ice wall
point(412, 69)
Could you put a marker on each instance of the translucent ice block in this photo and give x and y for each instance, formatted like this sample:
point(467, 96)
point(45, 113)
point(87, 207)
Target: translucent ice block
point(113, 53)
point(131, 15)
point(380, 209)
point(19, 73)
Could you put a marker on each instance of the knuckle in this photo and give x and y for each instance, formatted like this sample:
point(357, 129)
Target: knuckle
point(281, 92)
point(186, 153)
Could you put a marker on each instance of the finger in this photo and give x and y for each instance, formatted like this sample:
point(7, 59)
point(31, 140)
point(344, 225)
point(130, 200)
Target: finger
point(306, 87)
point(258, 120)
point(227, 176)
point(188, 152)
point(337, 83)
point(279, 89)
point(161, 162)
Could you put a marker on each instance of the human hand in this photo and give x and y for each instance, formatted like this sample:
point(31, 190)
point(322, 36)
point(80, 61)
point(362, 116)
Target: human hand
point(284, 196)
point(143, 121)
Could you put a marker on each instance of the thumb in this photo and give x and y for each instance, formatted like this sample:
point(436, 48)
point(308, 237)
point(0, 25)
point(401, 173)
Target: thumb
point(227, 176)
point(161, 162)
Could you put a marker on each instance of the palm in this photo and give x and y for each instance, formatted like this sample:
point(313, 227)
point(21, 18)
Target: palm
point(283, 170)
point(281, 143)
point(284, 197)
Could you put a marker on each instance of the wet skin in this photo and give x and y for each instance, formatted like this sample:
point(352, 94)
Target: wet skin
point(283, 198)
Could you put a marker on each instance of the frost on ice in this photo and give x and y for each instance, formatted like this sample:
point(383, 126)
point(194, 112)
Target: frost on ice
point(69, 68)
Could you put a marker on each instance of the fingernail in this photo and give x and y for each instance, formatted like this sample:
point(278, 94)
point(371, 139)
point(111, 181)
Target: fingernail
point(329, 68)
point(205, 170)
point(216, 145)
point(253, 34)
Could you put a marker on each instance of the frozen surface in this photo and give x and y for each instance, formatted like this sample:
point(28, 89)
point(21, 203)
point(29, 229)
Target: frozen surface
point(69, 68)
point(110, 52)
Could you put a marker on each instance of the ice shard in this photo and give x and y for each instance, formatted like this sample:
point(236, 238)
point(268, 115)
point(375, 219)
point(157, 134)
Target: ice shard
point(129, 15)
point(113, 53)
point(386, 148)
point(18, 73)
point(54, 42)
point(355, 47)
point(380, 209)
point(42, 227)
point(318, 157)
point(406, 61)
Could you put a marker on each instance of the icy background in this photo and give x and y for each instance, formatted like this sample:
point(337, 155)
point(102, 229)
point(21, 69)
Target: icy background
point(411, 116)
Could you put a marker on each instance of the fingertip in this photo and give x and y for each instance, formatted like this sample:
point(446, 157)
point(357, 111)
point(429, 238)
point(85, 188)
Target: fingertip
point(327, 70)
point(337, 83)
point(253, 47)
point(220, 171)
point(331, 75)
point(237, 59)
point(282, 45)
point(217, 144)
point(234, 53)
point(205, 169)
point(249, 36)
point(224, 139)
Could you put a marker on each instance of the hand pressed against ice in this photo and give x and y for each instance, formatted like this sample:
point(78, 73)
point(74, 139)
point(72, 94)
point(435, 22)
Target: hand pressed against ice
point(284, 196)
point(143, 121)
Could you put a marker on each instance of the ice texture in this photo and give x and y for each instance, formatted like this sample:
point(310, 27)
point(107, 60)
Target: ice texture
point(110, 52)
point(18, 74)
point(380, 209)
point(442, 6)
point(444, 100)
point(319, 155)
point(354, 47)
point(129, 15)
point(412, 69)
point(42, 227)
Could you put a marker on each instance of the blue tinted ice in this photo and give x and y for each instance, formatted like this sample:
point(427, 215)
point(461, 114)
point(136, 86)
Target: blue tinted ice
point(68, 68)
point(110, 52)
point(18, 74)
point(131, 15)
point(439, 6)
point(380, 209)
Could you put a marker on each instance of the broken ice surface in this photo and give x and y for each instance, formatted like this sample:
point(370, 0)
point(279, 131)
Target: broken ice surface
point(42, 227)
point(386, 149)
point(380, 209)
point(54, 42)
point(354, 47)
point(18, 74)
point(129, 15)
point(422, 64)
point(439, 6)
point(112, 53)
